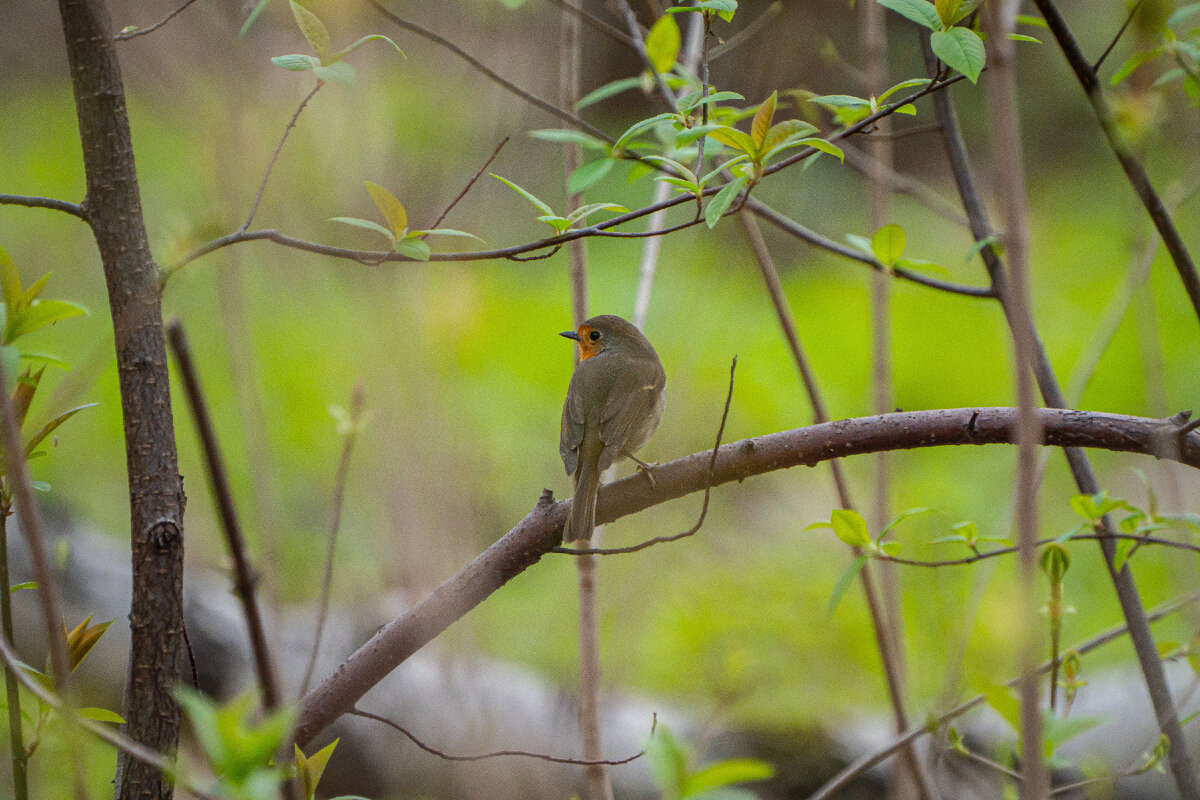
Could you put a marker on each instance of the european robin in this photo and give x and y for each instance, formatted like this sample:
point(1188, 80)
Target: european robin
point(613, 406)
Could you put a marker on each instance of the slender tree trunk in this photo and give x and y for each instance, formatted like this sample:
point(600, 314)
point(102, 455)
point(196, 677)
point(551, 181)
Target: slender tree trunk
point(114, 211)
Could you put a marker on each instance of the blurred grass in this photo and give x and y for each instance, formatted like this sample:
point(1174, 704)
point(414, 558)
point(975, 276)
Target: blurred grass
point(464, 377)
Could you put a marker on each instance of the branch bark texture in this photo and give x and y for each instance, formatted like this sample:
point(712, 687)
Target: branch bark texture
point(114, 211)
point(541, 529)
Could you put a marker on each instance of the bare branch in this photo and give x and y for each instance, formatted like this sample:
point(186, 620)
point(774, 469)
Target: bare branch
point(903, 184)
point(74, 209)
point(262, 186)
point(789, 225)
point(541, 530)
point(529, 97)
point(126, 35)
point(244, 577)
point(1120, 32)
point(595, 22)
point(1004, 551)
point(503, 753)
point(335, 524)
point(470, 183)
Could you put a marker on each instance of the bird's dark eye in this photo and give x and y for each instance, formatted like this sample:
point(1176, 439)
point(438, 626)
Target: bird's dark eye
point(594, 336)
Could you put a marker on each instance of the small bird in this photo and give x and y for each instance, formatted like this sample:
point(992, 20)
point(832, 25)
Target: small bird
point(614, 404)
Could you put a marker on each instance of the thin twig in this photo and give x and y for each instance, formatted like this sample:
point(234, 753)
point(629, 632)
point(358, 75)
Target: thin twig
point(1004, 551)
point(74, 209)
point(218, 480)
point(903, 184)
point(20, 772)
point(611, 551)
point(529, 97)
point(1134, 170)
point(129, 34)
point(852, 771)
point(262, 186)
point(503, 753)
point(608, 30)
point(471, 182)
point(1117, 38)
point(797, 230)
point(747, 33)
point(335, 523)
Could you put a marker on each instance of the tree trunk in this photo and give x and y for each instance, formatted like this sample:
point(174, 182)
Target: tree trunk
point(114, 211)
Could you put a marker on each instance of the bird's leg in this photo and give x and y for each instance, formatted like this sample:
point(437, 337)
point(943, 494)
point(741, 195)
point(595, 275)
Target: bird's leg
point(644, 468)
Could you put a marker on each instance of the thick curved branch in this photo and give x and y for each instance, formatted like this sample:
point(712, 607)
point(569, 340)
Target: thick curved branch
point(541, 529)
point(74, 209)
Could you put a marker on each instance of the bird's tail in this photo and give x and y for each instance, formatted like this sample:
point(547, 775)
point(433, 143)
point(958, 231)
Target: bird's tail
point(583, 505)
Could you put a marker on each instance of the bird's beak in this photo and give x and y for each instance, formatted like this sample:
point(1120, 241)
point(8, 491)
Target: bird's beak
point(570, 335)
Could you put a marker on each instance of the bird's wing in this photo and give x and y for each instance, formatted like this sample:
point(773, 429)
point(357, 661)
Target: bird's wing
point(571, 432)
point(628, 406)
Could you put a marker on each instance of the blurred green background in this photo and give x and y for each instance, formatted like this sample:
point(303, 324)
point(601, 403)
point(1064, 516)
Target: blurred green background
point(464, 373)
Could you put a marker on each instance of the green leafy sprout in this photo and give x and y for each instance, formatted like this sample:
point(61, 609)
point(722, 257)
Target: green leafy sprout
point(328, 65)
point(404, 241)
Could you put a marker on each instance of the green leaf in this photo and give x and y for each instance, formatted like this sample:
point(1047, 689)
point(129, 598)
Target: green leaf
point(391, 208)
point(559, 224)
point(16, 587)
point(825, 147)
point(724, 773)
point(977, 248)
point(444, 232)
point(888, 244)
point(1056, 560)
point(51, 426)
point(313, 29)
point(345, 51)
point(311, 769)
point(1029, 19)
point(254, 14)
point(907, 108)
point(640, 126)
point(583, 212)
point(1182, 14)
point(588, 175)
point(689, 135)
point(921, 265)
point(339, 73)
point(721, 168)
point(668, 762)
point(951, 11)
point(1122, 553)
point(680, 168)
point(545, 209)
point(732, 137)
point(844, 580)
point(365, 223)
point(840, 101)
point(961, 49)
point(40, 314)
point(909, 84)
point(296, 62)
point(1058, 731)
point(1001, 699)
point(568, 136)
point(1020, 37)
point(1131, 64)
point(608, 90)
point(788, 129)
point(10, 281)
point(760, 126)
point(413, 248)
point(101, 715)
point(662, 43)
point(33, 290)
point(850, 527)
point(721, 201)
point(919, 11)
point(903, 515)
point(723, 8)
point(717, 97)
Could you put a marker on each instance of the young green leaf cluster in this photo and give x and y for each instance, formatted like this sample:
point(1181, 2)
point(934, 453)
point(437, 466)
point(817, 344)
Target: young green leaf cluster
point(405, 242)
point(671, 764)
point(327, 65)
point(1176, 45)
point(560, 223)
